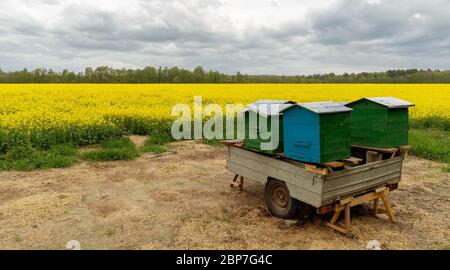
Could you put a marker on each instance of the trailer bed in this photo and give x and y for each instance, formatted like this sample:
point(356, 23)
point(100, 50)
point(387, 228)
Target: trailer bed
point(312, 188)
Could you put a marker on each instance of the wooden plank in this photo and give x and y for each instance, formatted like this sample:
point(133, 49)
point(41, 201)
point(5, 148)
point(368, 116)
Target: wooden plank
point(381, 150)
point(316, 169)
point(335, 164)
point(346, 200)
point(353, 160)
point(405, 148)
point(358, 200)
point(363, 199)
point(373, 156)
point(381, 189)
point(337, 228)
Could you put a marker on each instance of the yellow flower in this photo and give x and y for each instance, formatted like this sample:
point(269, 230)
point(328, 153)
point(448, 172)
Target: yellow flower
point(25, 109)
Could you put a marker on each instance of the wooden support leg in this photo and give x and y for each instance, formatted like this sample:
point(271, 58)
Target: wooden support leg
point(334, 219)
point(375, 206)
point(347, 217)
point(241, 183)
point(387, 206)
point(347, 203)
point(234, 180)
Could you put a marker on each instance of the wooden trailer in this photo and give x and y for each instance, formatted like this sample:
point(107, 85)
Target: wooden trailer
point(293, 188)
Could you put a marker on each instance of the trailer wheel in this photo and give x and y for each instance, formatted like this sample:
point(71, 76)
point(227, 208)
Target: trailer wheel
point(278, 200)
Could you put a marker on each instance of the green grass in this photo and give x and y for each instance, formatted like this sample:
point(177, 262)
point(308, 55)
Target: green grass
point(26, 158)
point(433, 144)
point(113, 149)
point(154, 148)
point(446, 168)
point(431, 122)
point(56, 148)
point(214, 142)
point(430, 137)
point(157, 143)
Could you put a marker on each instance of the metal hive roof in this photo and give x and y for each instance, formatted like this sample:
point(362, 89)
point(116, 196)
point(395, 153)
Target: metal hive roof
point(390, 102)
point(268, 107)
point(325, 107)
point(273, 101)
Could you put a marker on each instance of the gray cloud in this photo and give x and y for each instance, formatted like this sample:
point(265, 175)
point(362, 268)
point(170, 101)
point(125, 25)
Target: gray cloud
point(280, 37)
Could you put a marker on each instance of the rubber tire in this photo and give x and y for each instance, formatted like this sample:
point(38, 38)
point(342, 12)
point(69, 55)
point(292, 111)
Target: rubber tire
point(290, 210)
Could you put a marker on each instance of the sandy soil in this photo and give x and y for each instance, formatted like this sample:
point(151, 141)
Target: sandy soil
point(182, 200)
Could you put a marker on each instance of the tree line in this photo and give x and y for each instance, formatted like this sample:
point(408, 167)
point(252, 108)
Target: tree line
point(104, 74)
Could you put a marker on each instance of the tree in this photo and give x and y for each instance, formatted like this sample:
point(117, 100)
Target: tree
point(199, 75)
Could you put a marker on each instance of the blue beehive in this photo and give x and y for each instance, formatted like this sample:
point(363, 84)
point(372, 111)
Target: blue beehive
point(317, 132)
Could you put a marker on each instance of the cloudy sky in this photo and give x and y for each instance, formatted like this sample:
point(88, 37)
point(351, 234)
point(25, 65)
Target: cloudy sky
point(251, 36)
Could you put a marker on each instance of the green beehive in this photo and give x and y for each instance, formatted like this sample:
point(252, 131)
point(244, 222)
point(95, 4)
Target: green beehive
point(380, 122)
point(264, 110)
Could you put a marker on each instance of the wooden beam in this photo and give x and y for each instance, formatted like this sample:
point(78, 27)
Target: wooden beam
point(335, 217)
point(241, 183)
point(360, 199)
point(405, 147)
point(335, 164)
point(375, 206)
point(347, 217)
point(346, 200)
point(381, 150)
point(315, 169)
point(373, 156)
point(353, 160)
point(387, 206)
point(337, 228)
point(381, 189)
point(347, 203)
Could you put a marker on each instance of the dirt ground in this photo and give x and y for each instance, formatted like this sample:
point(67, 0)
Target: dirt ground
point(182, 200)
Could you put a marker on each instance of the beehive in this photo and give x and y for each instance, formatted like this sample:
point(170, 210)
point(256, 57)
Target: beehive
point(317, 132)
point(264, 110)
point(379, 122)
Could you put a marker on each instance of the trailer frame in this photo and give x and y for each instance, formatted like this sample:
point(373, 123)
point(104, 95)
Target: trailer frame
point(326, 191)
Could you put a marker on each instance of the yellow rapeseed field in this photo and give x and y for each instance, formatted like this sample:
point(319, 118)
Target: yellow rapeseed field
point(68, 112)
